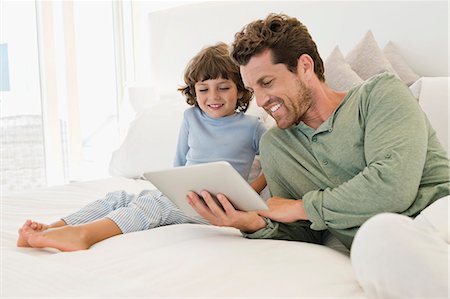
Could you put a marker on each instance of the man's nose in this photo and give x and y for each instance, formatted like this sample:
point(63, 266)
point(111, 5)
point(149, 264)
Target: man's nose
point(260, 97)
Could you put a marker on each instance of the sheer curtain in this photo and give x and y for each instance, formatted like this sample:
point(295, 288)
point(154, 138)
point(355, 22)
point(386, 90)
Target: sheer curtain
point(59, 118)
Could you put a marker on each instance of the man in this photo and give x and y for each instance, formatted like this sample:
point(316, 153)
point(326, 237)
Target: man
point(335, 159)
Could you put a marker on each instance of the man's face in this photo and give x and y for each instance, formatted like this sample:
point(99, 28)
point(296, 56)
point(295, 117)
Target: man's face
point(280, 92)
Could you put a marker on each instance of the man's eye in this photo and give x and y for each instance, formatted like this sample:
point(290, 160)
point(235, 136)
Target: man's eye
point(267, 83)
point(202, 90)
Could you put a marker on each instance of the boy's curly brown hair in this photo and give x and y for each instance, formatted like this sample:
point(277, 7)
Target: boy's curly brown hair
point(212, 63)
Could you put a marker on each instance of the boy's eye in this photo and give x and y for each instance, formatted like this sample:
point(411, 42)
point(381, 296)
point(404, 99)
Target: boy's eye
point(224, 88)
point(203, 90)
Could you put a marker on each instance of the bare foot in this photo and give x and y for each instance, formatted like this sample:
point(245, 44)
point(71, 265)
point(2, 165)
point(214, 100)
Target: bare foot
point(39, 226)
point(28, 228)
point(65, 238)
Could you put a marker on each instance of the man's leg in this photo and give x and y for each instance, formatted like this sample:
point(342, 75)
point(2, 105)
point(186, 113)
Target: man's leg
point(394, 256)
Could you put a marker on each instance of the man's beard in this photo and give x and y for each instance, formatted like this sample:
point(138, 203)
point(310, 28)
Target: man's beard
point(296, 108)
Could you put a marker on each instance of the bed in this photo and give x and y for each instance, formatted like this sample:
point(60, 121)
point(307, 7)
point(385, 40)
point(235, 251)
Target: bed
point(192, 260)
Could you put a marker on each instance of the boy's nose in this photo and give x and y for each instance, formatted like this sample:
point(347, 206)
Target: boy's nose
point(214, 95)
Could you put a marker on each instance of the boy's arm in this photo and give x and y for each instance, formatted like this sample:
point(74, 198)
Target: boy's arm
point(259, 183)
point(182, 144)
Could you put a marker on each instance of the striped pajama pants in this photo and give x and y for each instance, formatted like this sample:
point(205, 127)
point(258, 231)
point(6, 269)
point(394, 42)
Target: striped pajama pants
point(132, 213)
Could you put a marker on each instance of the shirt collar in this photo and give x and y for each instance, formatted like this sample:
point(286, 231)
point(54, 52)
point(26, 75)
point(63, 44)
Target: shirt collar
point(326, 126)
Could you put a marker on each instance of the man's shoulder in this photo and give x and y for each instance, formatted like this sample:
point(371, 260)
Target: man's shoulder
point(381, 81)
point(377, 89)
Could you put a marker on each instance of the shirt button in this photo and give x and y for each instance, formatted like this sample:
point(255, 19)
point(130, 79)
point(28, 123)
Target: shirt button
point(388, 156)
point(314, 139)
point(330, 130)
point(325, 162)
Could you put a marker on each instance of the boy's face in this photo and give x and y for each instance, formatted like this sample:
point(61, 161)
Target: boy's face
point(217, 97)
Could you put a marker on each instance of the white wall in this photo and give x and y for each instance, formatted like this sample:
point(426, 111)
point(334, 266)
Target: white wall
point(418, 28)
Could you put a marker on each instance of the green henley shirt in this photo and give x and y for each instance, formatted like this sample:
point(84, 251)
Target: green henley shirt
point(376, 153)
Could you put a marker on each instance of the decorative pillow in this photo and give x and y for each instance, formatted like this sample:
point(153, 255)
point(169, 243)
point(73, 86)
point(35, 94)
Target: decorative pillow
point(338, 73)
point(367, 59)
point(401, 67)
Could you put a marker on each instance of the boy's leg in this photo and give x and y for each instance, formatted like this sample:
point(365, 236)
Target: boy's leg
point(75, 237)
point(395, 256)
point(149, 210)
point(95, 210)
point(100, 208)
point(32, 227)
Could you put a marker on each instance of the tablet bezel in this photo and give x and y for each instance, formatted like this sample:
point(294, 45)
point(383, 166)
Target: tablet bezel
point(215, 177)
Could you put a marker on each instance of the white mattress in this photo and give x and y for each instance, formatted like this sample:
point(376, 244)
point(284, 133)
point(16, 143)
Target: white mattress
point(172, 261)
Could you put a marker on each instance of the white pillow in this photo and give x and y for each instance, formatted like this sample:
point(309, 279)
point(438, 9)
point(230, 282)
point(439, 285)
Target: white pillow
point(338, 73)
point(367, 59)
point(401, 67)
point(150, 142)
point(432, 93)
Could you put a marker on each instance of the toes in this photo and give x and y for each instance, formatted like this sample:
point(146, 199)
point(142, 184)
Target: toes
point(26, 224)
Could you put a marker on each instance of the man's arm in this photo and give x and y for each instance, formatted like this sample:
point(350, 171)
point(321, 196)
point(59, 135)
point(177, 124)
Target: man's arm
point(395, 147)
point(280, 209)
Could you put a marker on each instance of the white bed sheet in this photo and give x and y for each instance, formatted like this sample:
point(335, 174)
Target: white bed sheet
point(178, 261)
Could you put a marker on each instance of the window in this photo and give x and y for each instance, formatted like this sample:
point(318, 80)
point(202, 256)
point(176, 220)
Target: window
point(59, 116)
point(22, 141)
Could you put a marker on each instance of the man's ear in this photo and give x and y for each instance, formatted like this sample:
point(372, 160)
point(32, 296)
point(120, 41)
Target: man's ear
point(305, 66)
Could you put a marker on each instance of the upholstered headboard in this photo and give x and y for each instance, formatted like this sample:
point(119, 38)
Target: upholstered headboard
point(418, 28)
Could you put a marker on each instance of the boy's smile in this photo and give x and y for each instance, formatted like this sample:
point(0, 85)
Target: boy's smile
point(217, 97)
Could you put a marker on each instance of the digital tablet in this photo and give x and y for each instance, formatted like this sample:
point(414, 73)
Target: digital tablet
point(215, 177)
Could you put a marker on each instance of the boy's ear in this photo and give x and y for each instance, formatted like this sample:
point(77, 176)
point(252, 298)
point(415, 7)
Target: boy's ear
point(240, 95)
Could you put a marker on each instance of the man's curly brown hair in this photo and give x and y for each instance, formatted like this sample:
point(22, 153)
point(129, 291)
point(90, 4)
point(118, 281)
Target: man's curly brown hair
point(287, 37)
point(212, 63)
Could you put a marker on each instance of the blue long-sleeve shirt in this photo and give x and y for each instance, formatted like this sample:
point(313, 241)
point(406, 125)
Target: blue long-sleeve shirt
point(233, 138)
